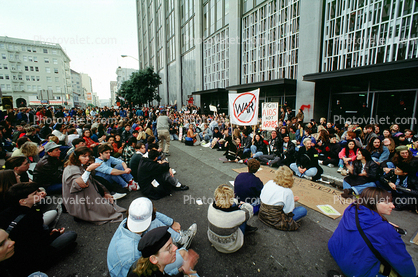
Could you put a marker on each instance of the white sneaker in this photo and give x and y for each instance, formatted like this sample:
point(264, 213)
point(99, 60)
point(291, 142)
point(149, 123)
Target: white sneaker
point(240, 161)
point(174, 171)
point(331, 165)
point(187, 236)
point(339, 169)
point(307, 177)
point(117, 196)
point(321, 162)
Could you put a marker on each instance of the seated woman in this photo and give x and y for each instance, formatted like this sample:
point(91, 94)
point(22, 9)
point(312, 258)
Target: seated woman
point(158, 252)
point(89, 142)
point(234, 152)
point(378, 151)
point(277, 208)
point(20, 166)
point(30, 151)
point(78, 185)
point(363, 173)
point(227, 221)
point(347, 155)
point(350, 250)
point(258, 147)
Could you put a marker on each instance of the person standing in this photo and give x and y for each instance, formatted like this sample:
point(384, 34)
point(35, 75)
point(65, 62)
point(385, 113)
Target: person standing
point(163, 126)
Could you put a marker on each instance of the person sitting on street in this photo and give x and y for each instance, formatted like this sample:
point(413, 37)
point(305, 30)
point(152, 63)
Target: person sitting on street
point(129, 149)
point(273, 149)
point(78, 142)
point(79, 184)
point(158, 253)
point(233, 150)
point(247, 186)
point(347, 156)
point(134, 162)
point(329, 153)
point(36, 244)
point(277, 208)
point(156, 178)
point(228, 221)
point(306, 164)
point(258, 146)
point(378, 151)
point(363, 173)
point(142, 218)
point(48, 171)
point(119, 173)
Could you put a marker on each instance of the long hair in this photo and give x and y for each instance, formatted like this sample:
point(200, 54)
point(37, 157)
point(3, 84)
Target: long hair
point(29, 149)
point(397, 158)
point(371, 196)
point(347, 150)
point(7, 179)
point(144, 267)
point(366, 154)
point(370, 146)
point(74, 157)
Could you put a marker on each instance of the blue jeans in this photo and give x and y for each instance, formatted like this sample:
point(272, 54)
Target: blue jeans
point(358, 189)
point(311, 172)
point(54, 188)
point(122, 180)
point(174, 137)
point(256, 154)
point(299, 212)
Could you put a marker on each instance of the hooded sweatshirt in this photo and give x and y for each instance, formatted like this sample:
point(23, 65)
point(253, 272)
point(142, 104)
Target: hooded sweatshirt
point(353, 255)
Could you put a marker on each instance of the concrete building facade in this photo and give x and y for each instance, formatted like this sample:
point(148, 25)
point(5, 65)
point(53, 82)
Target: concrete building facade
point(304, 54)
point(113, 90)
point(77, 89)
point(28, 67)
point(87, 88)
point(122, 75)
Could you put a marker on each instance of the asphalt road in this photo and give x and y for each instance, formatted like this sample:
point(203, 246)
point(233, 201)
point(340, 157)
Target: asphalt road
point(268, 252)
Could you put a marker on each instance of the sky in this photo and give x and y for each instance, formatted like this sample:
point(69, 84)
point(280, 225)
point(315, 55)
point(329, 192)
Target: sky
point(93, 33)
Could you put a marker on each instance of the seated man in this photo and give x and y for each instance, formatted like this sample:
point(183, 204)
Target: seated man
point(119, 173)
point(48, 171)
point(156, 178)
point(306, 164)
point(78, 142)
point(143, 217)
point(36, 245)
point(134, 162)
point(247, 186)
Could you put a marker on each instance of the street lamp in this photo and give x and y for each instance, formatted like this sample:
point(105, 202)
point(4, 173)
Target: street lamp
point(125, 56)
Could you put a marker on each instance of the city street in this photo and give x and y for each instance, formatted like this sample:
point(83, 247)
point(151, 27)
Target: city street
point(268, 252)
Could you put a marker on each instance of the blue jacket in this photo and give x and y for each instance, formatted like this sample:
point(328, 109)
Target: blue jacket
point(353, 255)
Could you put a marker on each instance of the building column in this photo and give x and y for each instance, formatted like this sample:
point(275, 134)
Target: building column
point(310, 40)
point(235, 18)
point(198, 41)
point(165, 97)
point(177, 41)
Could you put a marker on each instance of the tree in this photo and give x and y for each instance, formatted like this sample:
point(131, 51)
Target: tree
point(142, 87)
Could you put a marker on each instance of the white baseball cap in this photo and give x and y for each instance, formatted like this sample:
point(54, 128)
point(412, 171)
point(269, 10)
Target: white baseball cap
point(140, 215)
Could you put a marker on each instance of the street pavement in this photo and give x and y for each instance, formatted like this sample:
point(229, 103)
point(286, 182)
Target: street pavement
point(267, 252)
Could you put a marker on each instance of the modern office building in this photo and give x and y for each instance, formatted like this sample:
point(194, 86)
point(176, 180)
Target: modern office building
point(308, 54)
point(77, 90)
point(28, 67)
point(113, 90)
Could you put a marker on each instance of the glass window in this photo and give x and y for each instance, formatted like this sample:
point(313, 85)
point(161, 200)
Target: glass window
point(55, 61)
point(55, 70)
point(45, 51)
point(47, 70)
point(46, 60)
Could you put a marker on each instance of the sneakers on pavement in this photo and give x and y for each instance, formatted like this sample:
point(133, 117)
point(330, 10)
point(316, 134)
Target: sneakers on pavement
point(174, 171)
point(187, 236)
point(321, 162)
point(179, 186)
point(330, 165)
point(339, 169)
point(307, 177)
point(344, 172)
point(117, 196)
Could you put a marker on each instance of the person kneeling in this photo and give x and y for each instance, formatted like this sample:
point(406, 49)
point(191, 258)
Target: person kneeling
point(277, 208)
point(228, 221)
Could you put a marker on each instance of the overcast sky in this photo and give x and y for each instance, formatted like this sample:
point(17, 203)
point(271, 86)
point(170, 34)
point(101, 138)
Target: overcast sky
point(93, 33)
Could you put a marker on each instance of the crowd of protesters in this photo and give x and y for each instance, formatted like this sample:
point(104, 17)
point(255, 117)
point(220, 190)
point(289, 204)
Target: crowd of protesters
point(104, 153)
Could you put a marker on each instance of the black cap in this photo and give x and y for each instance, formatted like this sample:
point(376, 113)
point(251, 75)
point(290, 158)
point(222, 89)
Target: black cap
point(285, 135)
point(153, 240)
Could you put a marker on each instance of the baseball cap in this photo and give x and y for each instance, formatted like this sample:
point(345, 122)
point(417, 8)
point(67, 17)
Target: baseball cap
point(140, 215)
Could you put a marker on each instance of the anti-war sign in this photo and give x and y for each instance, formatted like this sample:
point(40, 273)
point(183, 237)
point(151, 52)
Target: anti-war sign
point(270, 116)
point(243, 107)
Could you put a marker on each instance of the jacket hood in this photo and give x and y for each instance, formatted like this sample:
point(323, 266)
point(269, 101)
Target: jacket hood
point(367, 217)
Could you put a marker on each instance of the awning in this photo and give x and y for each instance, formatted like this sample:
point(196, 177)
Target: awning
point(385, 76)
point(208, 91)
point(288, 84)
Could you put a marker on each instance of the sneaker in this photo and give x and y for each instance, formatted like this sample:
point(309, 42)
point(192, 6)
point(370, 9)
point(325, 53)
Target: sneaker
point(331, 165)
point(174, 171)
point(187, 236)
point(117, 196)
point(133, 186)
point(344, 172)
point(269, 163)
point(250, 229)
point(179, 186)
point(339, 169)
point(321, 162)
point(240, 161)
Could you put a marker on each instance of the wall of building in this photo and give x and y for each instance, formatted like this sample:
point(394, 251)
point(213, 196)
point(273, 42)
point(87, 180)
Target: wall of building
point(188, 64)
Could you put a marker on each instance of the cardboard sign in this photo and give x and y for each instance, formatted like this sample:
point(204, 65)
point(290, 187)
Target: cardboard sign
point(243, 107)
point(270, 116)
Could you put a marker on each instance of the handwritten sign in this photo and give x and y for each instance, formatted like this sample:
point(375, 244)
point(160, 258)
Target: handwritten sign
point(270, 116)
point(243, 107)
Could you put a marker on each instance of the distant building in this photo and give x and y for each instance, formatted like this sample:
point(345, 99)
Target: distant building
point(123, 74)
point(77, 90)
point(87, 88)
point(28, 67)
point(104, 102)
point(113, 90)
